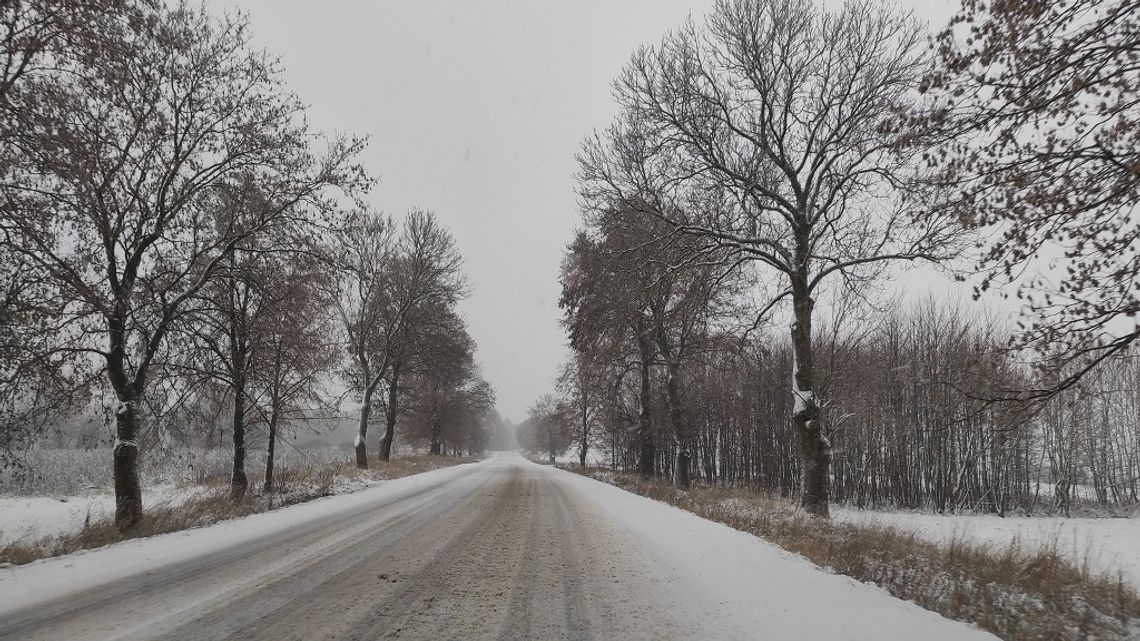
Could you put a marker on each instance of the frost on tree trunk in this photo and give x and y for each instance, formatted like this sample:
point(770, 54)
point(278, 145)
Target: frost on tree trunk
point(647, 455)
point(362, 431)
point(815, 451)
point(128, 491)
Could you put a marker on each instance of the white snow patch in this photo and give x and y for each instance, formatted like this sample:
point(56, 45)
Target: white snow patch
point(54, 578)
point(800, 398)
point(37, 517)
point(1106, 545)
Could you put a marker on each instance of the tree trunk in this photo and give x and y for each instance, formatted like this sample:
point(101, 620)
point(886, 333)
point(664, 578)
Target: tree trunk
point(270, 451)
point(550, 439)
point(125, 455)
point(681, 471)
point(815, 450)
point(128, 491)
point(683, 457)
point(647, 456)
point(436, 443)
point(238, 481)
point(362, 430)
point(390, 417)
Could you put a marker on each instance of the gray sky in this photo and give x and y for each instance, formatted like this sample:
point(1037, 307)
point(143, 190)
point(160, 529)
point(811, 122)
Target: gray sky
point(475, 111)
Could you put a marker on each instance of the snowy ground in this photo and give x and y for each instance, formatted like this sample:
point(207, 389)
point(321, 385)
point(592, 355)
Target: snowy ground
point(36, 517)
point(71, 487)
point(30, 518)
point(499, 549)
point(1105, 545)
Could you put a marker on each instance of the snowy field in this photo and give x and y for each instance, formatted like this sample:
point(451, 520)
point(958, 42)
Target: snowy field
point(1104, 545)
point(68, 488)
point(36, 517)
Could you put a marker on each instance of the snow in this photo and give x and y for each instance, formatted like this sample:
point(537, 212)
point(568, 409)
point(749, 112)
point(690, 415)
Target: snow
point(36, 517)
point(1106, 545)
point(738, 585)
point(63, 576)
point(751, 587)
point(800, 398)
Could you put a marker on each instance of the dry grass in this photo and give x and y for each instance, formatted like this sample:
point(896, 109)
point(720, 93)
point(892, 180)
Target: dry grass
point(213, 504)
point(1019, 593)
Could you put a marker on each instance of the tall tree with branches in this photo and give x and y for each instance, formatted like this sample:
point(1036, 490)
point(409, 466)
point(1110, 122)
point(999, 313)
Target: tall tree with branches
point(125, 186)
point(427, 283)
point(363, 253)
point(605, 307)
point(770, 133)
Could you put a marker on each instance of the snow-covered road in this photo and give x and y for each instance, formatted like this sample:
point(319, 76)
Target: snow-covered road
point(503, 549)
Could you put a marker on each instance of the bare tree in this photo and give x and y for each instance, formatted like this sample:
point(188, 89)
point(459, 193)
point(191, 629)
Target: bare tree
point(1035, 106)
point(450, 400)
point(389, 287)
point(606, 308)
point(771, 134)
point(119, 170)
point(427, 283)
point(580, 393)
point(296, 353)
point(236, 325)
point(364, 253)
point(546, 429)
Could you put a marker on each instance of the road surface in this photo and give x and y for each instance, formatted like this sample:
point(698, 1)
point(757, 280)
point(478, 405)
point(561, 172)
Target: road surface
point(502, 549)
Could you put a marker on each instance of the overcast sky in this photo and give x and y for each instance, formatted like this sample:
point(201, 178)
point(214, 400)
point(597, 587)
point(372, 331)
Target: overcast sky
point(475, 110)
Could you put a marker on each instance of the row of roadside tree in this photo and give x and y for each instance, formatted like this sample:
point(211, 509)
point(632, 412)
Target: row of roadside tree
point(176, 241)
point(773, 166)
